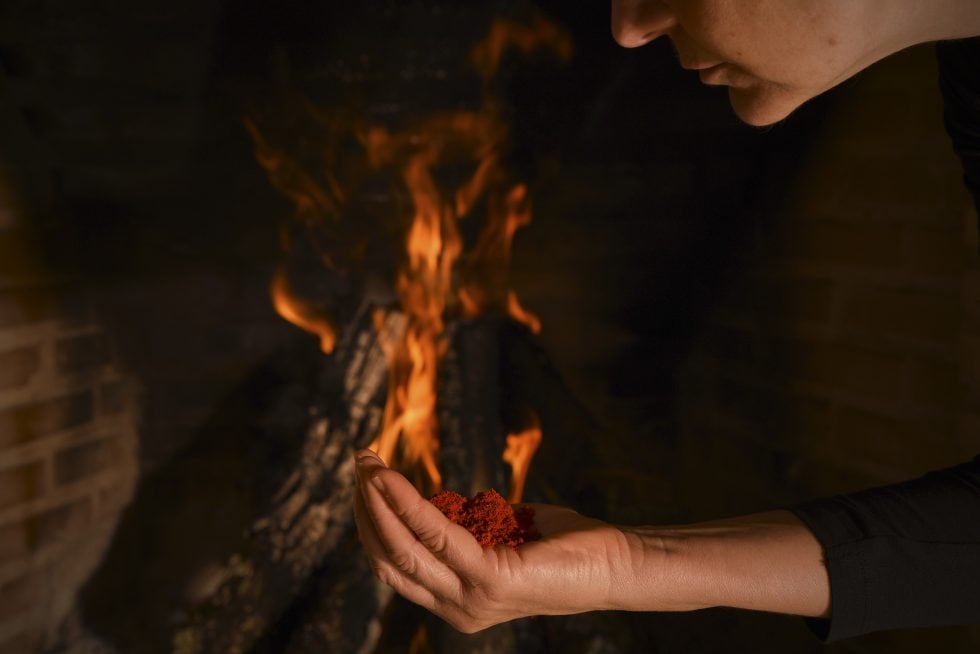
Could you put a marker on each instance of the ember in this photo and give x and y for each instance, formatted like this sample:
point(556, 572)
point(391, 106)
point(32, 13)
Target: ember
point(489, 517)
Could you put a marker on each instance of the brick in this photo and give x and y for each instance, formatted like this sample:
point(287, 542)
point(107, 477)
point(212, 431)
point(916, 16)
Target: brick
point(20, 644)
point(838, 366)
point(59, 524)
point(970, 354)
point(15, 540)
point(835, 242)
point(80, 461)
point(781, 416)
point(82, 353)
point(18, 366)
point(730, 344)
point(891, 441)
point(971, 301)
point(21, 484)
point(21, 306)
point(797, 300)
point(26, 423)
point(936, 250)
point(18, 256)
point(967, 441)
point(885, 185)
point(935, 384)
point(18, 594)
point(902, 313)
point(7, 217)
point(820, 477)
point(115, 496)
point(749, 473)
point(799, 419)
point(113, 398)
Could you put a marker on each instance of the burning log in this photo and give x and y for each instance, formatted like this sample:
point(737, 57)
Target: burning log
point(228, 535)
point(434, 385)
point(311, 513)
point(246, 541)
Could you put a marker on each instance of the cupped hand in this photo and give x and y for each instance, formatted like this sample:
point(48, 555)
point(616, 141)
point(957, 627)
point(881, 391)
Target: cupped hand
point(580, 564)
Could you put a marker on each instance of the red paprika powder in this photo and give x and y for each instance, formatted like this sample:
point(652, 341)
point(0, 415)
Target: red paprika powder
point(489, 517)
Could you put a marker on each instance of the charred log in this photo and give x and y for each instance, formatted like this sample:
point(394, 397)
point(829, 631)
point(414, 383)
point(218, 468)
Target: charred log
point(246, 543)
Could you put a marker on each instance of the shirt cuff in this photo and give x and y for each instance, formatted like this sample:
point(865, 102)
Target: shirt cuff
point(846, 566)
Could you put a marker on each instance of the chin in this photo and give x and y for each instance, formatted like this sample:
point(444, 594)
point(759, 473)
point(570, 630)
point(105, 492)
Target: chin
point(761, 107)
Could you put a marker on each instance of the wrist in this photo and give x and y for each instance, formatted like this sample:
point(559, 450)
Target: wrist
point(667, 575)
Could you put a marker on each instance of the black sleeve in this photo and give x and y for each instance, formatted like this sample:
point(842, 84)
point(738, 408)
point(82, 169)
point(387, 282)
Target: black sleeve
point(899, 556)
point(959, 80)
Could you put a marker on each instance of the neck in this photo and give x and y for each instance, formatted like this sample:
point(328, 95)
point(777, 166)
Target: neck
point(919, 21)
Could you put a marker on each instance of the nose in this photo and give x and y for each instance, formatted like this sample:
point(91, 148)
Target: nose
point(637, 22)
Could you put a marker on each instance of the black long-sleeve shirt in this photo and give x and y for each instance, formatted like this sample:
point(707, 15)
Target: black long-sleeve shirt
point(908, 555)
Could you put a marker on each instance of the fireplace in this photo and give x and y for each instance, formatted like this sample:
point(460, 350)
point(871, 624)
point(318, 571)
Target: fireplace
point(174, 455)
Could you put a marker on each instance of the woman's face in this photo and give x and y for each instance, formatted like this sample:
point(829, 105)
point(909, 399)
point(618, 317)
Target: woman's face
point(773, 55)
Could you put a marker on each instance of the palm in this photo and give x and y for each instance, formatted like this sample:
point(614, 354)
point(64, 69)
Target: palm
point(570, 568)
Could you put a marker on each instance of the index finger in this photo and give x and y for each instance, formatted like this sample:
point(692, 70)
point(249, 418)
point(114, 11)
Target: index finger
point(447, 541)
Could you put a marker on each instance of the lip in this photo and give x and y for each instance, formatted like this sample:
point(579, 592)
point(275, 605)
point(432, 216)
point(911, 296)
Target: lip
point(712, 75)
point(700, 65)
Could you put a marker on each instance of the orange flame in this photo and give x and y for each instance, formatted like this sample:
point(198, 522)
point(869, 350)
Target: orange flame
point(420, 642)
point(425, 285)
point(436, 279)
point(302, 313)
point(519, 452)
point(506, 34)
point(521, 315)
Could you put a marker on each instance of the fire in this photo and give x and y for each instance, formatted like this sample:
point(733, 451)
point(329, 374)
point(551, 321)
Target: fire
point(437, 279)
point(506, 34)
point(489, 261)
point(420, 642)
point(302, 313)
point(519, 452)
point(521, 315)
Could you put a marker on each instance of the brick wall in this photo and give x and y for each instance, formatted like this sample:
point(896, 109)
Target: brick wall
point(848, 352)
point(68, 420)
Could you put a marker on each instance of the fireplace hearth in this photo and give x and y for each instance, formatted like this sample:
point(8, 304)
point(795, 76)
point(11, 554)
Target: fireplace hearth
point(717, 310)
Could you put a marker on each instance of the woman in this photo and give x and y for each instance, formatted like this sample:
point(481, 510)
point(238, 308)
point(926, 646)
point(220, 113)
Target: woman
point(899, 556)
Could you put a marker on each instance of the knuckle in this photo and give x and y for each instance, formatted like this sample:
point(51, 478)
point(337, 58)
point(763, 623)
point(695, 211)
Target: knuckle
point(408, 511)
point(404, 562)
point(463, 624)
point(471, 626)
point(382, 573)
point(439, 541)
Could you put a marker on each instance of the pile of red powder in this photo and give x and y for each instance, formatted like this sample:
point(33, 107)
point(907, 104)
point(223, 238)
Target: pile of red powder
point(488, 517)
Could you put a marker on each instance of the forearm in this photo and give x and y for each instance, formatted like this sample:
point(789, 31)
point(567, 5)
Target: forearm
point(765, 562)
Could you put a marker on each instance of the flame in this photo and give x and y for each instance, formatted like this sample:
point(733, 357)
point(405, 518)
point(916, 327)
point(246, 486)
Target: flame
point(506, 34)
point(486, 284)
point(521, 315)
point(420, 642)
point(518, 453)
point(302, 313)
point(437, 278)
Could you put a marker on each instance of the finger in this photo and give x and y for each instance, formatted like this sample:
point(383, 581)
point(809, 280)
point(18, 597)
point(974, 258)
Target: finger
point(384, 570)
point(365, 528)
point(448, 542)
point(401, 548)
